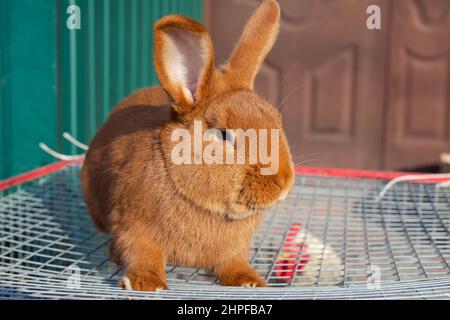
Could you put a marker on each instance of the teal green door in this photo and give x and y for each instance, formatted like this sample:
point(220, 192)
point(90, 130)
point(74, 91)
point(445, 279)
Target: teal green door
point(53, 79)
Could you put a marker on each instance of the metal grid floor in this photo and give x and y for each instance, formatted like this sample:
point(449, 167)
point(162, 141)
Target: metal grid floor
point(329, 239)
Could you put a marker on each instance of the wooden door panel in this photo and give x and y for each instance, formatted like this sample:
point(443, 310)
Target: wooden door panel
point(325, 74)
point(419, 88)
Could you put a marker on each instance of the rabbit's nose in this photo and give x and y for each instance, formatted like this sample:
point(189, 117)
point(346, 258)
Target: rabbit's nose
point(281, 180)
point(284, 179)
point(284, 187)
point(283, 195)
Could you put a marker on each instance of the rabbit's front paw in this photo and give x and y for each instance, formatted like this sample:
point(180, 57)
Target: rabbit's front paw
point(247, 280)
point(143, 282)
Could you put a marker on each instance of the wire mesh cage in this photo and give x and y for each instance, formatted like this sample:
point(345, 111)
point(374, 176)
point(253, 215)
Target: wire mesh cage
point(331, 239)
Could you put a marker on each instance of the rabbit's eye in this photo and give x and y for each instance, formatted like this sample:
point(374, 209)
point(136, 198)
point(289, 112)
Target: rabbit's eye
point(226, 135)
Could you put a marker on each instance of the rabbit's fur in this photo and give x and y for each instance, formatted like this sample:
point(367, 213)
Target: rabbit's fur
point(198, 215)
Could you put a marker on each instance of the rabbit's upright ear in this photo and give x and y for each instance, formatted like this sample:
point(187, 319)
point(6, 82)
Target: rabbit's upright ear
point(184, 60)
point(256, 41)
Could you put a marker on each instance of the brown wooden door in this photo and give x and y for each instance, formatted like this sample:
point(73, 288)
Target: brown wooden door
point(326, 70)
point(329, 75)
point(419, 89)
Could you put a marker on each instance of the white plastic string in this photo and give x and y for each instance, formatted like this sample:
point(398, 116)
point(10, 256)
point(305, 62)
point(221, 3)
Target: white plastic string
point(419, 177)
point(61, 156)
point(75, 142)
point(55, 154)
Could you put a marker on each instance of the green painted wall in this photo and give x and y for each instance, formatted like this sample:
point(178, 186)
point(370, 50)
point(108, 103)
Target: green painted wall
point(27, 80)
point(53, 79)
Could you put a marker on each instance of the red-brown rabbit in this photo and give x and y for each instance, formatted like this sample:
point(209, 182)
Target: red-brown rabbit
point(201, 215)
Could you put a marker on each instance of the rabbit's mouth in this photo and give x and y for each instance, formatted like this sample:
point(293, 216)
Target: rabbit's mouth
point(245, 210)
point(240, 216)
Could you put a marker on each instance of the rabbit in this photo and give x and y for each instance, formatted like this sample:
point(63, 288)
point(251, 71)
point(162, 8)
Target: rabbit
point(198, 215)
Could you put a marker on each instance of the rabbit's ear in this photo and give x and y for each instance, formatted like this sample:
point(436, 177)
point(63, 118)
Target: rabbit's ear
point(255, 43)
point(184, 60)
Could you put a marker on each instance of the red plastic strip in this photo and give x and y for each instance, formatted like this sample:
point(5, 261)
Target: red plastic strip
point(363, 174)
point(350, 173)
point(37, 173)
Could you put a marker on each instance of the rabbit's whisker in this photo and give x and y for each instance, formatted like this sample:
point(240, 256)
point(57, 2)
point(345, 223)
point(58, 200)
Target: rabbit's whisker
point(299, 163)
point(288, 96)
point(286, 76)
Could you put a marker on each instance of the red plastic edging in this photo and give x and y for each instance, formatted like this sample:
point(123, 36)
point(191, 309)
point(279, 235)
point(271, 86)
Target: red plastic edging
point(351, 173)
point(37, 173)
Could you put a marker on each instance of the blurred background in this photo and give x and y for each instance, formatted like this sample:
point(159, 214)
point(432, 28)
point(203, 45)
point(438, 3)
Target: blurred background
point(351, 97)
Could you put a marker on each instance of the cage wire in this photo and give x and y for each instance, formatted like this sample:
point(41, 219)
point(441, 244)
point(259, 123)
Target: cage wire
point(331, 239)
